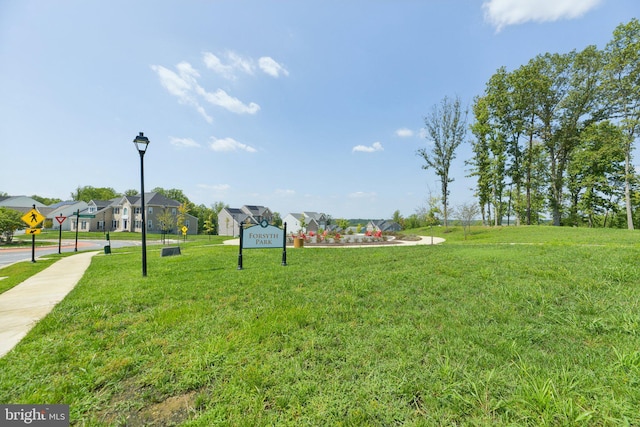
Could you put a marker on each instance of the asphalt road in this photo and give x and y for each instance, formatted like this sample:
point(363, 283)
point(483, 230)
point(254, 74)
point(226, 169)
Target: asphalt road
point(13, 255)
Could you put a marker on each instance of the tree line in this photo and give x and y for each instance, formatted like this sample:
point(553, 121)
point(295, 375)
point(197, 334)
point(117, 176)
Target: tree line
point(555, 135)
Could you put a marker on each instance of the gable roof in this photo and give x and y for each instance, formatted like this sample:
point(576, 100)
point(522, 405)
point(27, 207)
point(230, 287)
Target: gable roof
point(254, 210)
point(318, 216)
point(65, 203)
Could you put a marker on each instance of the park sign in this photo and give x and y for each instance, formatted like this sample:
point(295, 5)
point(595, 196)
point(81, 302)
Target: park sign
point(263, 236)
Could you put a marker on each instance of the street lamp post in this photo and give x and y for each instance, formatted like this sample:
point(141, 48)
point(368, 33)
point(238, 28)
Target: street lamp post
point(142, 142)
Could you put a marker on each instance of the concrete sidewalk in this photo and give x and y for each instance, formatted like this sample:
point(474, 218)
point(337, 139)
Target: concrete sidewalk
point(22, 306)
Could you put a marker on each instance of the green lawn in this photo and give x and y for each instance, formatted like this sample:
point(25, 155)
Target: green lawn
point(513, 326)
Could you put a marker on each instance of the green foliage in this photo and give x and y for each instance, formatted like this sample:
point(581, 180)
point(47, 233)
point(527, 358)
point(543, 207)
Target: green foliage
point(46, 200)
point(343, 223)
point(210, 225)
point(88, 193)
point(276, 219)
point(446, 127)
point(9, 222)
point(530, 126)
point(515, 326)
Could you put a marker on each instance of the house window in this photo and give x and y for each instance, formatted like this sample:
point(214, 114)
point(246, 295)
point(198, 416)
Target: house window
point(150, 225)
point(114, 224)
point(116, 210)
point(125, 211)
point(187, 223)
point(150, 210)
point(83, 225)
point(92, 209)
point(100, 225)
point(173, 211)
point(137, 211)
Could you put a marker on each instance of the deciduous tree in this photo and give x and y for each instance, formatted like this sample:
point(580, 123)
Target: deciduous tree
point(446, 127)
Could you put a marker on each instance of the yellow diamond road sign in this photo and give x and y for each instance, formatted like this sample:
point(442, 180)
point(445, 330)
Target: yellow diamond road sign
point(33, 218)
point(184, 229)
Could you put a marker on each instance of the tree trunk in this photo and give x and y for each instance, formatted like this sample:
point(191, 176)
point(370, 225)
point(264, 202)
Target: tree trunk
point(627, 187)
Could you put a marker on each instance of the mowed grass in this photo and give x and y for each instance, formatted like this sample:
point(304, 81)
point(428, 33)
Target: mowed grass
point(526, 326)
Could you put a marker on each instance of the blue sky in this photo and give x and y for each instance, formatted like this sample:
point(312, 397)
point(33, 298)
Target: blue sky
point(295, 105)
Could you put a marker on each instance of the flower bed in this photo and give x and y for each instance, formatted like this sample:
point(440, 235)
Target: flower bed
point(331, 239)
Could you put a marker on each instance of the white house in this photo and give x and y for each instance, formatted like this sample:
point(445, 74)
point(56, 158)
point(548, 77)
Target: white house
point(66, 209)
point(313, 221)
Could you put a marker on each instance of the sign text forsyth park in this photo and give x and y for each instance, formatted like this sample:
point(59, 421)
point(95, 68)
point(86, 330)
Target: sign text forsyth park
point(263, 236)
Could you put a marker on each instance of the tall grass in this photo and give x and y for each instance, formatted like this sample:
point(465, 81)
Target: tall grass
point(507, 328)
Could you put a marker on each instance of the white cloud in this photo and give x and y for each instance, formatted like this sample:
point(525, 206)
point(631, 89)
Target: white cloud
point(183, 142)
point(228, 102)
point(285, 193)
point(181, 85)
point(239, 62)
point(229, 144)
point(362, 195)
point(368, 149)
point(404, 133)
point(501, 13)
point(234, 63)
point(217, 187)
point(184, 85)
point(212, 62)
point(271, 67)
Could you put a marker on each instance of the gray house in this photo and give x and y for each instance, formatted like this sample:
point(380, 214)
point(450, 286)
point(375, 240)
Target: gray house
point(383, 225)
point(230, 219)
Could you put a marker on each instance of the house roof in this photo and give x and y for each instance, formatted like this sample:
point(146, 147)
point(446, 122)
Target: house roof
point(65, 203)
point(101, 204)
point(385, 225)
point(255, 210)
point(318, 216)
point(152, 199)
point(20, 202)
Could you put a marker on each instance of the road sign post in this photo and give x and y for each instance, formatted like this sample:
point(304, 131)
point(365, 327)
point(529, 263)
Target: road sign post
point(32, 219)
point(60, 220)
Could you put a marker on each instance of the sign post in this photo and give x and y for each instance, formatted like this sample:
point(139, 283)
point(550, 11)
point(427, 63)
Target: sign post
point(32, 219)
point(60, 220)
point(78, 216)
point(263, 236)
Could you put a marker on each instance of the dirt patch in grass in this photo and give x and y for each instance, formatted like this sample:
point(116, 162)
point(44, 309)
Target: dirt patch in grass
point(171, 411)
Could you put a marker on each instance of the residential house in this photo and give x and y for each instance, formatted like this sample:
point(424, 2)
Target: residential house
point(124, 214)
point(230, 219)
point(65, 209)
point(385, 226)
point(24, 204)
point(313, 221)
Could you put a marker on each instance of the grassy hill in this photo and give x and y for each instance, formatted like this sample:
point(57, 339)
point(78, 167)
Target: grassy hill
point(512, 326)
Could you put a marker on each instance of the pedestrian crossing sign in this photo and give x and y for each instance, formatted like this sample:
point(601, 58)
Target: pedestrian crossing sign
point(32, 218)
